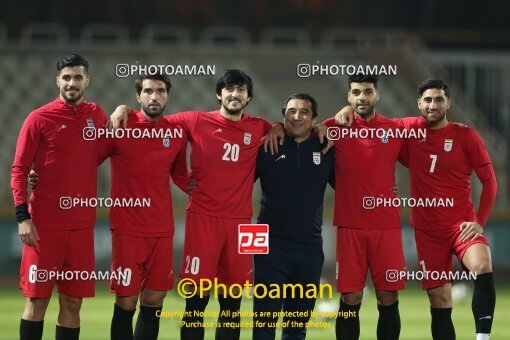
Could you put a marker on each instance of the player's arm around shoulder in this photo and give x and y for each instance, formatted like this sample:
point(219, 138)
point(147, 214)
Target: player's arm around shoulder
point(187, 120)
point(274, 135)
point(409, 123)
point(344, 117)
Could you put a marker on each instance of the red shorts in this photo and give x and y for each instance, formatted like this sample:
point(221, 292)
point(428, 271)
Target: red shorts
point(359, 249)
point(59, 254)
point(435, 249)
point(211, 250)
point(141, 262)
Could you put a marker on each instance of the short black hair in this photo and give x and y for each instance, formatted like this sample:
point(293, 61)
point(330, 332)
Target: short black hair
point(72, 60)
point(363, 78)
point(234, 77)
point(304, 96)
point(158, 76)
point(433, 84)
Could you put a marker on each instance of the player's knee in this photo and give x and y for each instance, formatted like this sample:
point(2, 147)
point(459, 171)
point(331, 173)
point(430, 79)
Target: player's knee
point(31, 314)
point(70, 305)
point(152, 298)
point(386, 298)
point(35, 309)
point(152, 302)
point(482, 267)
point(126, 302)
point(440, 297)
point(353, 298)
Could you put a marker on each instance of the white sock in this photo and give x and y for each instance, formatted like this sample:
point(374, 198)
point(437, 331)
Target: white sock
point(482, 336)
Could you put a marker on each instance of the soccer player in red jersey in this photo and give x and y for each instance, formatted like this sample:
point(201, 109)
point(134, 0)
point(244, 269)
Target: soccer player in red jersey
point(364, 171)
point(224, 148)
point(55, 238)
point(142, 238)
point(440, 166)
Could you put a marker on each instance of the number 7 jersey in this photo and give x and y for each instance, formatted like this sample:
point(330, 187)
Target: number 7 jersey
point(440, 167)
point(223, 155)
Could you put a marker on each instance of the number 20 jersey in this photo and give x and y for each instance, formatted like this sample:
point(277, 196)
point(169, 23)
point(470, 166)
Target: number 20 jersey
point(223, 155)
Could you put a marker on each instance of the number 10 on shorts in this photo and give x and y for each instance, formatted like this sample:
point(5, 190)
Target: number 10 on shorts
point(253, 238)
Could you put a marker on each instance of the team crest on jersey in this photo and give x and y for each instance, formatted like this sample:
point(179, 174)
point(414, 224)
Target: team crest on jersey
point(384, 138)
point(90, 123)
point(247, 138)
point(316, 158)
point(448, 145)
point(166, 142)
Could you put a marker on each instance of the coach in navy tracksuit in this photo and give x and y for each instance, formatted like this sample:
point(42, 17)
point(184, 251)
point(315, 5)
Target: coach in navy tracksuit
point(293, 183)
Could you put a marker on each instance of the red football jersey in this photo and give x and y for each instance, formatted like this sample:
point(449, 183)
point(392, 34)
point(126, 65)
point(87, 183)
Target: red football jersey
point(223, 155)
point(52, 139)
point(440, 167)
point(365, 172)
point(141, 169)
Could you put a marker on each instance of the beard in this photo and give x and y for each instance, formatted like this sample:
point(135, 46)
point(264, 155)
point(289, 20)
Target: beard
point(72, 99)
point(233, 112)
point(153, 111)
point(435, 121)
point(365, 113)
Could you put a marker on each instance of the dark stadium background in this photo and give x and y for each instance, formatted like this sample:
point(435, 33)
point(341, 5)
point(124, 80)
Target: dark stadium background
point(465, 43)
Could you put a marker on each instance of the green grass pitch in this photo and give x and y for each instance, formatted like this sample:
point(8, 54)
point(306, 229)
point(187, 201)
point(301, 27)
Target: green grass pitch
point(414, 312)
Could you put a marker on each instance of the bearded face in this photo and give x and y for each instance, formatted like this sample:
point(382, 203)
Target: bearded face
point(234, 98)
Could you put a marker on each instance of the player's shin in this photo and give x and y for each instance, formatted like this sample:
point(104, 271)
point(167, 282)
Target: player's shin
point(31, 330)
point(66, 333)
point(388, 325)
point(122, 324)
point(347, 322)
point(192, 323)
point(228, 327)
point(483, 304)
point(147, 323)
point(442, 324)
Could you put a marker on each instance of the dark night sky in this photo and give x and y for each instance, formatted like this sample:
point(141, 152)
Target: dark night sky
point(315, 15)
